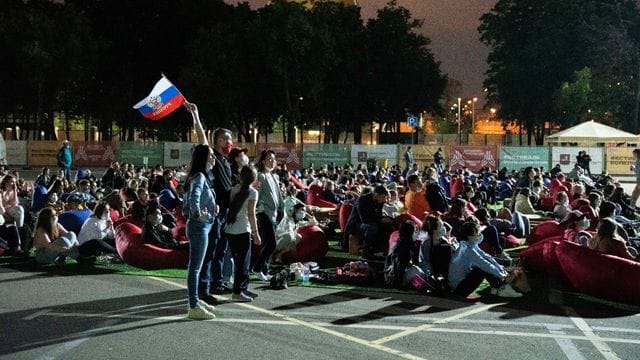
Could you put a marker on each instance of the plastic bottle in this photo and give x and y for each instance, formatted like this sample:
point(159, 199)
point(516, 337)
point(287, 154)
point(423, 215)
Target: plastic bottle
point(305, 276)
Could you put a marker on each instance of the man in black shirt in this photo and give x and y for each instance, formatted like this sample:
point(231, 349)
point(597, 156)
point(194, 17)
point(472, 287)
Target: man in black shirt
point(212, 275)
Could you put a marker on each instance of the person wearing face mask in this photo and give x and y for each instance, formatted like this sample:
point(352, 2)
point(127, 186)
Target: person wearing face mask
point(576, 225)
point(154, 233)
point(470, 265)
point(238, 159)
point(270, 209)
point(287, 236)
point(436, 248)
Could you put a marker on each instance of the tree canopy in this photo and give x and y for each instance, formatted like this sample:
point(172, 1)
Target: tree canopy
point(537, 47)
point(282, 64)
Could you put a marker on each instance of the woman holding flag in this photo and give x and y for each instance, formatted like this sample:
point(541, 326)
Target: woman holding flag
point(200, 209)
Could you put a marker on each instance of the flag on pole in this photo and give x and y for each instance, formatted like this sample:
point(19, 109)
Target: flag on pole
point(162, 101)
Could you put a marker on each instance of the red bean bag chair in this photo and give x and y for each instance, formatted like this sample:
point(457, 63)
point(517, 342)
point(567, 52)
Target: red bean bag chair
point(541, 257)
point(456, 186)
point(598, 274)
point(408, 217)
point(312, 247)
point(180, 232)
point(139, 254)
point(511, 242)
point(315, 198)
point(546, 203)
point(127, 219)
point(544, 230)
point(72, 220)
point(343, 215)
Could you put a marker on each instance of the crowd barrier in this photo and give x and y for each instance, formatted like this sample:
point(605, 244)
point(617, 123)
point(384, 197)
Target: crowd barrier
point(615, 160)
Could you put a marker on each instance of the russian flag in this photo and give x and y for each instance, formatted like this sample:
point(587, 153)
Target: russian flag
point(162, 101)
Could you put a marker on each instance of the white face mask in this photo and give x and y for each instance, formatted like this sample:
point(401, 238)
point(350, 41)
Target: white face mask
point(244, 159)
point(300, 214)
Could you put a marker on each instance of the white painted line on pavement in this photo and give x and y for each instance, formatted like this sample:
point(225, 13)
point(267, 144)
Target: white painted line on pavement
point(600, 345)
point(475, 310)
point(566, 345)
point(306, 324)
point(36, 314)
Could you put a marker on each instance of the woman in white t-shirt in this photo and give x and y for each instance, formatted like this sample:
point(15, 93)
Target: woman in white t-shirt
point(242, 227)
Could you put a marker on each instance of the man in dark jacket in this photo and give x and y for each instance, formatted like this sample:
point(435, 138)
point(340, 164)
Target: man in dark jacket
point(367, 223)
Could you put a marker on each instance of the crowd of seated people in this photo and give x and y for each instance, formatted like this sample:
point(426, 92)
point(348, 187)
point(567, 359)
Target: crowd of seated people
point(457, 211)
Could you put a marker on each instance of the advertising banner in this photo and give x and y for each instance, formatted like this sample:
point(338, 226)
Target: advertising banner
point(149, 154)
point(566, 157)
point(177, 153)
point(288, 154)
point(383, 154)
point(43, 153)
point(93, 154)
point(619, 160)
point(516, 158)
point(16, 152)
point(323, 154)
point(472, 157)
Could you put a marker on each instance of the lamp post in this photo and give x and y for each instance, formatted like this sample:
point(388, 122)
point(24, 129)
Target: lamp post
point(459, 137)
point(472, 102)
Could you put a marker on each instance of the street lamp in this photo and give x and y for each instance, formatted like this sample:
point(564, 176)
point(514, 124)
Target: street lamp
point(473, 113)
point(459, 137)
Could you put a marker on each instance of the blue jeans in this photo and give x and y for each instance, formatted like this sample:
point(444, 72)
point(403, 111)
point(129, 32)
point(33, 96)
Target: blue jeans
point(214, 266)
point(198, 235)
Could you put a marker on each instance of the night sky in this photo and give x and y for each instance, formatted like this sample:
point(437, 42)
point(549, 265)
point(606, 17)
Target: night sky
point(452, 27)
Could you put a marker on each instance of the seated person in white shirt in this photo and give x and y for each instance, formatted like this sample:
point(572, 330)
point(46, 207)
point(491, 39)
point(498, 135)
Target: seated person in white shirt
point(99, 227)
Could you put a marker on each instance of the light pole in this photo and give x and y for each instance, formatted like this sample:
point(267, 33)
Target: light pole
point(459, 137)
point(473, 113)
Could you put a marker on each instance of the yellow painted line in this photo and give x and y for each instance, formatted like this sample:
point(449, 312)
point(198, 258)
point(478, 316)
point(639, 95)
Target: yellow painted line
point(599, 344)
point(309, 325)
point(423, 327)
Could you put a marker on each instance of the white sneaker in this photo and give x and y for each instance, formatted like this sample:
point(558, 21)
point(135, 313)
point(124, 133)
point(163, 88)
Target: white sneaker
point(506, 291)
point(206, 306)
point(199, 313)
point(262, 276)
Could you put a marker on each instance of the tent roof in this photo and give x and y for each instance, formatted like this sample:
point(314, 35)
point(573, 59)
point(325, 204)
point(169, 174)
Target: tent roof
point(590, 131)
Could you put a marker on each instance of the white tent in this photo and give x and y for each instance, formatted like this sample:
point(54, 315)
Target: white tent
point(591, 133)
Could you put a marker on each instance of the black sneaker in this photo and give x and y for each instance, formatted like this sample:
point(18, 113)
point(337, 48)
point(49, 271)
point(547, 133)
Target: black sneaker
point(221, 290)
point(250, 294)
point(209, 299)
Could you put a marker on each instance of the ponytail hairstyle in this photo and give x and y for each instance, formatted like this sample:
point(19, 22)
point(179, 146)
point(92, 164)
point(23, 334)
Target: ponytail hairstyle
point(247, 177)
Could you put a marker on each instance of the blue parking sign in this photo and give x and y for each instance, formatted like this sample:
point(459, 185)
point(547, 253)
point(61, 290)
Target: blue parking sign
point(412, 121)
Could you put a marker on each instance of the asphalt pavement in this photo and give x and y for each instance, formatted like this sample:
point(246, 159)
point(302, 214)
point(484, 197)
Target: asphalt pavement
point(46, 315)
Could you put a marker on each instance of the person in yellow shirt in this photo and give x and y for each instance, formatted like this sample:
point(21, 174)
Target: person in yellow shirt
point(415, 201)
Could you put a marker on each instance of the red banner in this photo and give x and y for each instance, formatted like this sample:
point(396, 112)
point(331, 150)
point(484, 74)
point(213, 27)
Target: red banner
point(289, 154)
point(473, 157)
point(93, 154)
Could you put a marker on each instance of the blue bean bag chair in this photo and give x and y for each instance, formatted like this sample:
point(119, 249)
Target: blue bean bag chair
point(73, 220)
point(167, 199)
point(39, 198)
